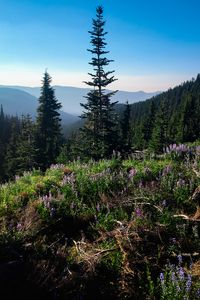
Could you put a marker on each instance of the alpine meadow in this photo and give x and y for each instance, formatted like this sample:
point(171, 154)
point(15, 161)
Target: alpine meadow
point(100, 166)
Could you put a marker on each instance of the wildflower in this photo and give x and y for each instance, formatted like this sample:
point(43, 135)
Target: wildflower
point(132, 173)
point(188, 283)
point(98, 207)
point(166, 170)
point(181, 274)
point(180, 183)
point(162, 278)
point(198, 293)
point(173, 277)
point(19, 226)
point(138, 212)
point(180, 260)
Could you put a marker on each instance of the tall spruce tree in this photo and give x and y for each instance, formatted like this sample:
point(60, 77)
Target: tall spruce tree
point(100, 129)
point(48, 125)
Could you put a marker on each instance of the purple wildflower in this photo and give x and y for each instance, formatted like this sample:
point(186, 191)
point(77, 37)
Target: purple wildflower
point(98, 207)
point(138, 212)
point(132, 173)
point(181, 274)
point(188, 283)
point(180, 260)
point(198, 293)
point(162, 278)
point(166, 170)
point(19, 226)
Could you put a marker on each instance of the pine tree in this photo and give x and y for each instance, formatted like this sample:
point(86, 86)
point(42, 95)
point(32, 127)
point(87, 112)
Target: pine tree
point(159, 135)
point(26, 152)
point(126, 129)
point(190, 119)
point(149, 124)
point(48, 126)
point(100, 129)
point(10, 163)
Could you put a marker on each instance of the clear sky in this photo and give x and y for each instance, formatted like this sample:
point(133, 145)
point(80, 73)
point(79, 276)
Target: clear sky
point(155, 44)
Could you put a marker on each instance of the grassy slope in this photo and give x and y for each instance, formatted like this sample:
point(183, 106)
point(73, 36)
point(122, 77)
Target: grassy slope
point(106, 228)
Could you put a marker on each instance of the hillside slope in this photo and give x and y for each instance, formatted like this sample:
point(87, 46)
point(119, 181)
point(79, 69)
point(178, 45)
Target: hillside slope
point(111, 229)
point(179, 109)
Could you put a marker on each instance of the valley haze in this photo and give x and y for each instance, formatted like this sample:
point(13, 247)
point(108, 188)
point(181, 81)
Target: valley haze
point(70, 97)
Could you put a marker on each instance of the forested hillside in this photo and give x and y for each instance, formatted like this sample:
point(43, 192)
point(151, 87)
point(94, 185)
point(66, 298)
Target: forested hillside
point(173, 116)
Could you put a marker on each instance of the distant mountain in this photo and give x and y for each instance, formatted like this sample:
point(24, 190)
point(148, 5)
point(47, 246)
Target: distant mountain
point(18, 102)
point(70, 97)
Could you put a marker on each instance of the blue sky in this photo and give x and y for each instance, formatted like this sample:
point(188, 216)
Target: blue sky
point(155, 44)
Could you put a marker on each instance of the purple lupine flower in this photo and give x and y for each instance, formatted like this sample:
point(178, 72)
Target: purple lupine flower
point(162, 278)
point(132, 173)
point(173, 277)
point(138, 212)
point(56, 166)
point(19, 226)
point(166, 170)
point(198, 293)
point(98, 207)
point(188, 283)
point(180, 260)
point(181, 274)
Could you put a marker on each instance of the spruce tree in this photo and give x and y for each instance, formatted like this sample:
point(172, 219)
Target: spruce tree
point(11, 163)
point(26, 152)
point(126, 129)
point(160, 138)
point(48, 125)
point(100, 129)
point(148, 124)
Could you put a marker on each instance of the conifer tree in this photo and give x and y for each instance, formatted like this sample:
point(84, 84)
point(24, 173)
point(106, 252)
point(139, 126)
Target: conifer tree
point(10, 163)
point(100, 129)
point(26, 152)
point(126, 129)
point(159, 135)
point(148, 124)
point(48, 126)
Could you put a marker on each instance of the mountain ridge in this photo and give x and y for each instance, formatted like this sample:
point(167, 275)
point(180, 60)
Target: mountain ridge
point(71, 97)
point(18, 102)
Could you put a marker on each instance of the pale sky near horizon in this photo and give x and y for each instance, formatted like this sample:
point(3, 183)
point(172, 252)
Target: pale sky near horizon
point(154, 46)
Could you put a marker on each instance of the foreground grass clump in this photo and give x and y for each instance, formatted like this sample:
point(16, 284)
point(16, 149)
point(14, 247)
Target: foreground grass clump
point(112, 228)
